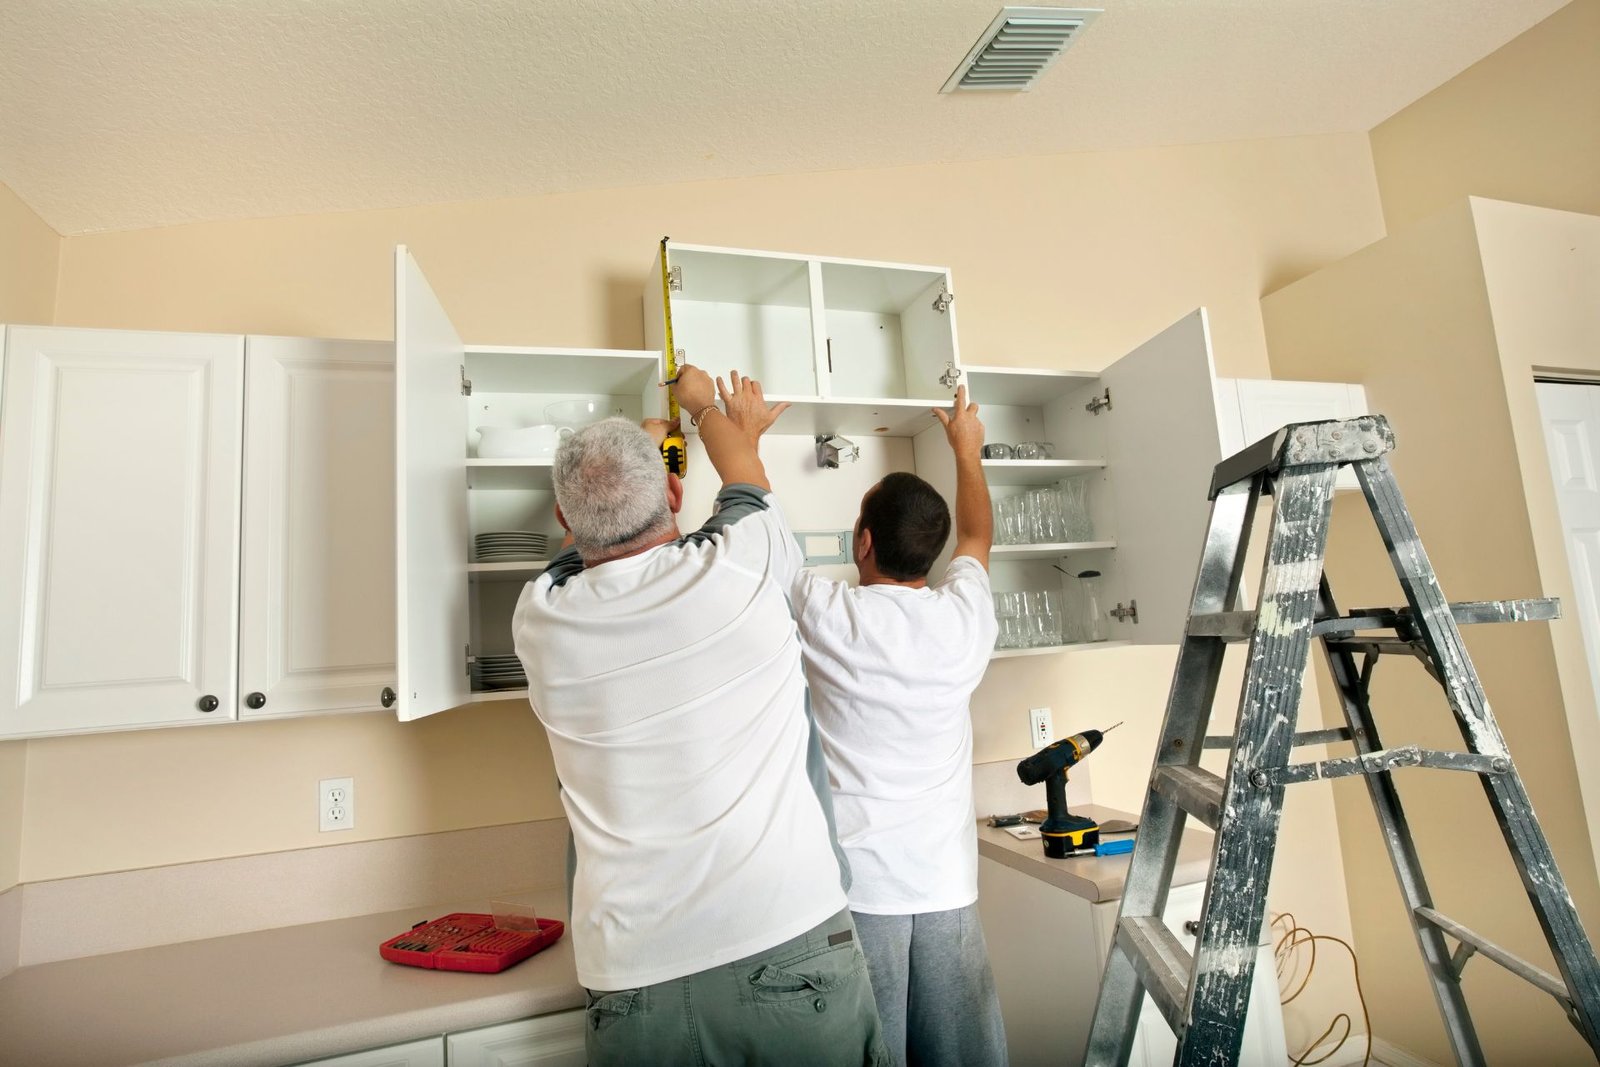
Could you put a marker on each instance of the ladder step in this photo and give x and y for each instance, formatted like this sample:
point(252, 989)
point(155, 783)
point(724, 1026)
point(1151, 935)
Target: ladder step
point(1305, 737)
point(1466, 612)
point(1228, 625)
point(1474, 942)
point(1161, 962)
point(1195, 790)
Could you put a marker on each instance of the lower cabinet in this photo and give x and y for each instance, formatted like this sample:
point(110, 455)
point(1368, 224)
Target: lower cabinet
point(429, 1052)
point(546, 1041)
point(1047, 948)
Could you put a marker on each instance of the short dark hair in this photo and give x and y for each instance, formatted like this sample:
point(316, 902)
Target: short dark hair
point(909, 522)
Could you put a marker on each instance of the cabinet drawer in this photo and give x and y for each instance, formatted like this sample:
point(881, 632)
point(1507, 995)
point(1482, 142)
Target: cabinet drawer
point(429, 1052)
point(546, 1041)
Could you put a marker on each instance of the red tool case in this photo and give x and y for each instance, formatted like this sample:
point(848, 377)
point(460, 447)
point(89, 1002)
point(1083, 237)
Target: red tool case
point(467, 941)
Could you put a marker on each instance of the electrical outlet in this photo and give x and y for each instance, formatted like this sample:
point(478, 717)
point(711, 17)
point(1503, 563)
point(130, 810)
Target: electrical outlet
point(1041, 731)
point(336, 804)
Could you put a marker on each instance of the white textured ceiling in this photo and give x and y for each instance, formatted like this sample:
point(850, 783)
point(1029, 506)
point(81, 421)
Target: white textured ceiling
point(117, 114)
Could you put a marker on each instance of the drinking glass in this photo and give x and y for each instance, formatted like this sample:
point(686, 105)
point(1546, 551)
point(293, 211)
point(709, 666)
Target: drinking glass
point(998, 451)
point(1008, 615)
point(1035, 450)
point(1044, 617)
point(1074, 504)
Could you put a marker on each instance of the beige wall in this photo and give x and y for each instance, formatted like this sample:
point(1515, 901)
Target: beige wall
point(29, 258)
point(1412, 318)
point(1066, 261)
point(1523, 124)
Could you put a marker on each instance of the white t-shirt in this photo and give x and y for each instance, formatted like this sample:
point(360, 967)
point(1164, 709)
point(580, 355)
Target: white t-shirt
point(671, 688)
point(892, 670)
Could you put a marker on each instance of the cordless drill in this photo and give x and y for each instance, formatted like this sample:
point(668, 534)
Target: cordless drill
point(1063, 833)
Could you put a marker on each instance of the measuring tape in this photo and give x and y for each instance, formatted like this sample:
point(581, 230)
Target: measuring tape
point(675, 449)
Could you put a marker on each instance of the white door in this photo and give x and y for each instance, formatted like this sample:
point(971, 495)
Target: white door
point(547, 1041)
point(429, 1052)
point(119, 529)
point(1162, 447)
point(1572, 437)
point(431, 551)
point(316, 620)
point(1268, 405)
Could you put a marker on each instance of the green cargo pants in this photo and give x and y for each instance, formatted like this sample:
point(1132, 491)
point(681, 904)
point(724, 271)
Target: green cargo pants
point(807, 1002)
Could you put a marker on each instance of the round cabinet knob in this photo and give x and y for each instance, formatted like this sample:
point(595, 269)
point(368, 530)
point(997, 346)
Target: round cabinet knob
point(387, 697)
point(256, 700)
point(207, 703)
point(1192, 928)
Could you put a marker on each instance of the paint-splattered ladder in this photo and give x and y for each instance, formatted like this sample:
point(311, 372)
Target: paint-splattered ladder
point(1204, 996)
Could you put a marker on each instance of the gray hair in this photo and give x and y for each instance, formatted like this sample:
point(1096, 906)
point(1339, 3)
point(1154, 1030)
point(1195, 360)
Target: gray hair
point(612, 487)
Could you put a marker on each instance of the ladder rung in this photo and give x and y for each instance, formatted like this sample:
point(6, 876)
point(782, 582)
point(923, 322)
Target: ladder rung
point(1195, 790)
point(1389, 759)
point(1162, 964)
point(1228, 625)
point(1306, 737)
point(1515, 964)
point(1466, 612)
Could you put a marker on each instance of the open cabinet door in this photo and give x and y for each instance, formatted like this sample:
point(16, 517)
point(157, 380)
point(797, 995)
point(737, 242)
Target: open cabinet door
point(431, 553)
point(1162, 445)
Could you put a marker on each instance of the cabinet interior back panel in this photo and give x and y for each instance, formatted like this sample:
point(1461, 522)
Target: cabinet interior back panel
point(517, 410)
point(503, 510)
point(866, 353)
point(94, 596)
point(723, 277)
point(772, 343)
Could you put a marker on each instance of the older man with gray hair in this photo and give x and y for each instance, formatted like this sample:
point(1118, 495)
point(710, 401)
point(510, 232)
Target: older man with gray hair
point(709, 918)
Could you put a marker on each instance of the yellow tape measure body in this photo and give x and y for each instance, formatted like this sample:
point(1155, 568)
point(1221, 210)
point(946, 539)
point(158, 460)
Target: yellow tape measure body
point(675, 449)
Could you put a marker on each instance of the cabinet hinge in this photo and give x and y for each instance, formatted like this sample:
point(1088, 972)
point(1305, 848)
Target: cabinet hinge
point(469, 660)
point(675, 279)
point(1126, 614)
point(466, 383)
point(1099, 403)
point(951, 376)
point(942, 302)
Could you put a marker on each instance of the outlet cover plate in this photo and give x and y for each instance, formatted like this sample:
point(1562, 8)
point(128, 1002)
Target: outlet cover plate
point(1041, 731)
point(336, 804)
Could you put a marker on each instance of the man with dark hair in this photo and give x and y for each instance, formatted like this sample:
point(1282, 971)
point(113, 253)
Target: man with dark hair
point(892, 665)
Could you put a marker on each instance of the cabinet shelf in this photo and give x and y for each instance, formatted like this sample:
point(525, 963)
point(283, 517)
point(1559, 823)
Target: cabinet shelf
point(502, 572)
point(480, 696)
point(1037, 471)
point(1051, 650)
point(1004, 553)
point(1022, 387)
point(510, 473)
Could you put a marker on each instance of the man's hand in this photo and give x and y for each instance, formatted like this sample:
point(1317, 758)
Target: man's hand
point(659, 429)
point(747, 407)
point(962, 426)
point(694, 390)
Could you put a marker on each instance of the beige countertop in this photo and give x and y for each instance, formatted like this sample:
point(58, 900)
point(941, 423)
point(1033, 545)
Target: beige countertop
point(1094, 878)
point(267, 998)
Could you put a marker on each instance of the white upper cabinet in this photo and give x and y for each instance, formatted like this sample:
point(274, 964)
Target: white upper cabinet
point(1250, 409)
point(431, 539)
point(119, 524)
point(858, 347)
point(1141, 463)
point(317, 608)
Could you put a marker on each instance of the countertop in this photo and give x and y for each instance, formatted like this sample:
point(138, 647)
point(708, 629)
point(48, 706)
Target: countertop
point(1094, 878)
point(270, 997)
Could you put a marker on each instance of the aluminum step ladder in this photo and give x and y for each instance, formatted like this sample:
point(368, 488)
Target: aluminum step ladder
point(1204, 997)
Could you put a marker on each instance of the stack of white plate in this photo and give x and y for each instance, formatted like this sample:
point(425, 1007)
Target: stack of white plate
point(500, 672)
point(511, 546)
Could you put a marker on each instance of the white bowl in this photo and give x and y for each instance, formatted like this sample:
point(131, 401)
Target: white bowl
point(530, 442)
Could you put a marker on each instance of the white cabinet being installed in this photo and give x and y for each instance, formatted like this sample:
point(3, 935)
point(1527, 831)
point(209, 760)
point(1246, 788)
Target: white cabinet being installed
point(1249, 409)
point(863, 350)
point(451, 610)
point(193, 528)
point(119, 529)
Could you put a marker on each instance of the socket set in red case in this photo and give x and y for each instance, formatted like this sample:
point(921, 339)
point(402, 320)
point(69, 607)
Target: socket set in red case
point(467, 941)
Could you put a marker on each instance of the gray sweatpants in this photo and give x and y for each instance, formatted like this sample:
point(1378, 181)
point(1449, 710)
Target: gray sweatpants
point(935, 992)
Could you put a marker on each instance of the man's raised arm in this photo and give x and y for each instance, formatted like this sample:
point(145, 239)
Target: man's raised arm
point(974, 518)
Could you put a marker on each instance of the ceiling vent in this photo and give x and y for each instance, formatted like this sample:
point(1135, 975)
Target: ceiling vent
point(1019, 45)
